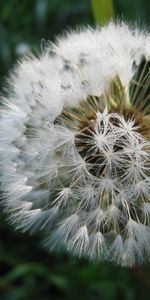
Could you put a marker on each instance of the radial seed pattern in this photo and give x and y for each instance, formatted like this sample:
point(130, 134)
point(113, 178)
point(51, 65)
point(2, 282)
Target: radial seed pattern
point(75, 144)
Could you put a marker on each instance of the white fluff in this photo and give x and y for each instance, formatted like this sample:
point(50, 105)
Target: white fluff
point(97, 209)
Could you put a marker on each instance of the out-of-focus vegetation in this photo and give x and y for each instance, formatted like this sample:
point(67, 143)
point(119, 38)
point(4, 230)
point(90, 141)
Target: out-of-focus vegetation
point(27, 272)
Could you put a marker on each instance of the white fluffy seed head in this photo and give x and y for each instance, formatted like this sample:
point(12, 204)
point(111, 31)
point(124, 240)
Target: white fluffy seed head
point(75, 144)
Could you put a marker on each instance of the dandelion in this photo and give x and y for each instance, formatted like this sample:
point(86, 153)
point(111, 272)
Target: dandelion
point(75, 144)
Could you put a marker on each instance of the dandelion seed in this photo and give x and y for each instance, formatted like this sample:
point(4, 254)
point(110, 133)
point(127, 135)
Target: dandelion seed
point(75, 144)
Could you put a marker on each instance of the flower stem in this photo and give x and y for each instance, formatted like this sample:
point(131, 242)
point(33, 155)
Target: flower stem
point(103, 11)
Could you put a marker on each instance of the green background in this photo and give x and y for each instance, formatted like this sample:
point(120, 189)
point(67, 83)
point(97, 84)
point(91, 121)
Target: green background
point(28, 272)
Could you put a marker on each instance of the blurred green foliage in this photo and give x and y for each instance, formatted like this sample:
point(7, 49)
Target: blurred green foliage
point(27, 22)
point(27, 272)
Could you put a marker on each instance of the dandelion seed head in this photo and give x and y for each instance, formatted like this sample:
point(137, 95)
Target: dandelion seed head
point(75, 144)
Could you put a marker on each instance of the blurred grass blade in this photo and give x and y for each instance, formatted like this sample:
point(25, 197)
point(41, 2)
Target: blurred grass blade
point(102, 11)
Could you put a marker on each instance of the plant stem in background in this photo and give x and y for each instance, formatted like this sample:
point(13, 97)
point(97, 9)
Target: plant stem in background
point(102, 11)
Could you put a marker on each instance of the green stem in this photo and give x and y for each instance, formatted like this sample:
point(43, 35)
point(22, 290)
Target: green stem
point(102, 11)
